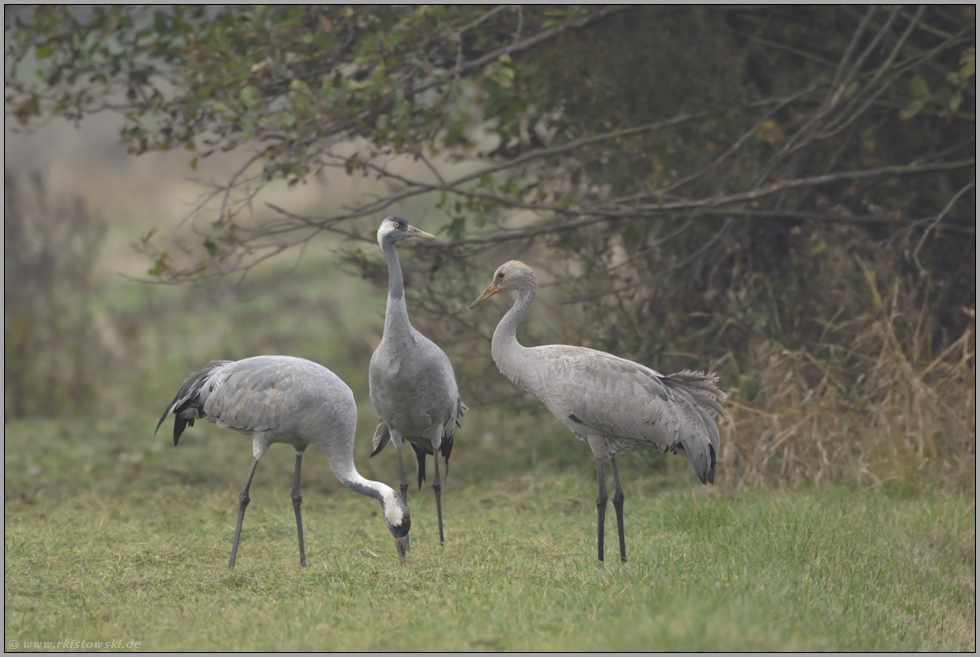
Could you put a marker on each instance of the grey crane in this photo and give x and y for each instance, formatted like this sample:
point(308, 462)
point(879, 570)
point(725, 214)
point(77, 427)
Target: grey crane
point(281, 399)
point(412, 384)
point(614, 404)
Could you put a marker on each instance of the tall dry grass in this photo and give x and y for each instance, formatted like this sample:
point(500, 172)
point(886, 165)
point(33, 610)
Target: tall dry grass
point(868, 404)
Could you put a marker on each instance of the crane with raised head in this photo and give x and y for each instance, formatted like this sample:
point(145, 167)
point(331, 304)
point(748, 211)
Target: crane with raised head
point(281, 399)
point(612, 403)
point(412, 383)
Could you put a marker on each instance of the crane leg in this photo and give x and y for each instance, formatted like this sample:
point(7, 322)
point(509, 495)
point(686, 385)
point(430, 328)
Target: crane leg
point(297, 501)
point(437, 487)
point(243, 500)
point(618, 498)
point(600, 504)
point(402, 480)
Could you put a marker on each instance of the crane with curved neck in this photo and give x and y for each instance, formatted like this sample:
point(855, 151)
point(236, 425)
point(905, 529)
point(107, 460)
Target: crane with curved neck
point(281, 399)
point(612, 403)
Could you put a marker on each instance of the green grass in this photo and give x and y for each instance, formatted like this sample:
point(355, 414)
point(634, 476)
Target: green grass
point(112, 535)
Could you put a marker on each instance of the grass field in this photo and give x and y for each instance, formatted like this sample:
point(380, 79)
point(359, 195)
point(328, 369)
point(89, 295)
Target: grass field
point(111, 534)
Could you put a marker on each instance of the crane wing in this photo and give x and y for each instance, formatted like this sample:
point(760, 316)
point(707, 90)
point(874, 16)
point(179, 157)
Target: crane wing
point(256, 394)
point(188, 404)
point(633, 406)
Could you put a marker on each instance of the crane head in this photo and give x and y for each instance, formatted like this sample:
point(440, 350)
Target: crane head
point(399, 521)
point(508, 276)
point(394, 229)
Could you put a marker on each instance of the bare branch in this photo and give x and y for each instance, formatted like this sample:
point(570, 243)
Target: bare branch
point(231, 182)
point(935, 222)
point(846, 57)
point(527, 44)
point(660, 274)
point(849, 117)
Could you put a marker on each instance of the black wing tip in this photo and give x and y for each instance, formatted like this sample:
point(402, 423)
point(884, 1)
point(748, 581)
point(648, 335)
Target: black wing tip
point(446, 448)
point(709, 476)
point(187, 397)
point(179, 425)
point(162, 418)
point(420, 461)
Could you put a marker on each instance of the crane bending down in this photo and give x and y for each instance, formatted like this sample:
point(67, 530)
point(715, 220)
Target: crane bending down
point(413, 387)
point(280, 399)
point(614, 404)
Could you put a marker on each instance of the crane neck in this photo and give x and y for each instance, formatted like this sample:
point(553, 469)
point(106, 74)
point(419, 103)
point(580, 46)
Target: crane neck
point(504, 343)
point(362, 485)
point(391, 506)
point(341, 462)
point(396, 314)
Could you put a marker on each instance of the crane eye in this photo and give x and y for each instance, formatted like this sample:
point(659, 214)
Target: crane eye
point(396, 224)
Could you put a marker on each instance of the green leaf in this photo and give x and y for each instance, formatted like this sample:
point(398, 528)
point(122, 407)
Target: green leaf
point(968, 64)
point(159, 266)
point(917, 86)
point(286, 120)
point(251, 97)
point(299, 85)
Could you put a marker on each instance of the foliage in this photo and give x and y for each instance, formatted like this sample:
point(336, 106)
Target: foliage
point(657, 125)
point(49, 333)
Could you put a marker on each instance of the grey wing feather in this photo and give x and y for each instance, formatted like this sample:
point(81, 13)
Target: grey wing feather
point(188, 405)
point(633, 406)
point(461, 409)
point(702, 390)
point(249, 395)
point(381, 437)
point(253, 395)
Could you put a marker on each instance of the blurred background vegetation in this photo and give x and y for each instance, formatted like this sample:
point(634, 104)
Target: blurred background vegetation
point(784, 195)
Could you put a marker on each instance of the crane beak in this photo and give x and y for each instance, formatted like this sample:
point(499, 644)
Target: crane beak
point(401, 545)
point(491, 290)
point(415, 232)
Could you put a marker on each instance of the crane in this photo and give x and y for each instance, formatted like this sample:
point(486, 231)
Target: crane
point(412, 384)
point(614, 404)
point(281, 399)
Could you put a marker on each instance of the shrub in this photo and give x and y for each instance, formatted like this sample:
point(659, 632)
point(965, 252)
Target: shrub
point(50, 345)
